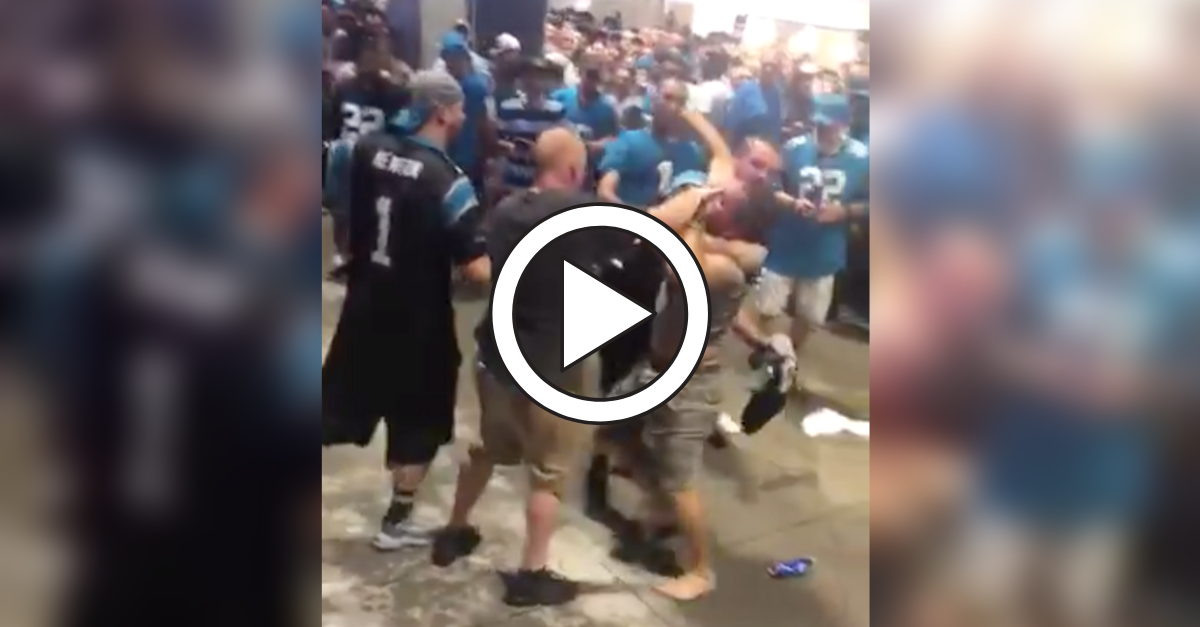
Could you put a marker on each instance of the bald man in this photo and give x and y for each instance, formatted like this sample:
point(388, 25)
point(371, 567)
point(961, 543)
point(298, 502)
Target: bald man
point(514, 430)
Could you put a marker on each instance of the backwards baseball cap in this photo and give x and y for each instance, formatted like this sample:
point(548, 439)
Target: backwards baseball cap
point(430, 89)
point(831, 110)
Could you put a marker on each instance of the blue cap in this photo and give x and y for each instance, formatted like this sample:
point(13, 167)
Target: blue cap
point(453, 42)
point(831, 110)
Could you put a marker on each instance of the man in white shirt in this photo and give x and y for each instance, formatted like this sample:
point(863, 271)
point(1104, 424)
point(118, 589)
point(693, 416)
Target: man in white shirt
point(710, 96)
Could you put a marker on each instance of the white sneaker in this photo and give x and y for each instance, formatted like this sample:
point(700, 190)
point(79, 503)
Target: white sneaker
point(727, 425)
point(402, 535)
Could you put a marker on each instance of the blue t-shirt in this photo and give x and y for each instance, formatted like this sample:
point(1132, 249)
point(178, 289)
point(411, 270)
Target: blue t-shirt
point(1048, 459)
point(595, 120)
point(647, 164)
point(773, 98)
point(799, 246)
point(464, 147)
point(749, 115)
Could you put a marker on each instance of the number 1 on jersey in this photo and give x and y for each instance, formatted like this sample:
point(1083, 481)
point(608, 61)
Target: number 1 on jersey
point(383, 213)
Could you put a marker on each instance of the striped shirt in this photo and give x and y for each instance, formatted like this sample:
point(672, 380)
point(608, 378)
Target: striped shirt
point(519, 123)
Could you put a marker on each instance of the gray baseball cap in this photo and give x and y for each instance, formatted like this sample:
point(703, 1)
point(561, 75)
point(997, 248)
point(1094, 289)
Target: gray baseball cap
point(430, 90)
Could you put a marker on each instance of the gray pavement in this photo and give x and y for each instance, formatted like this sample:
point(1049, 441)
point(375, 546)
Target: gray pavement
point(775, 496)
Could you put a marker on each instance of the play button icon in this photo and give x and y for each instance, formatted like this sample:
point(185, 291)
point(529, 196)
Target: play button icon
point(593, 315)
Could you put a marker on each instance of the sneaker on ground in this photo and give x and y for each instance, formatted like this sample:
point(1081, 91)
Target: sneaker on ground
point(397, 531)
point(452, 544)
point(529, 588)
point(393, 537)
point(727, 425)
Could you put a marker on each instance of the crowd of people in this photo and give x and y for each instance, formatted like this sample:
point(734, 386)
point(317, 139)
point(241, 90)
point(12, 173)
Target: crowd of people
point(758, 159)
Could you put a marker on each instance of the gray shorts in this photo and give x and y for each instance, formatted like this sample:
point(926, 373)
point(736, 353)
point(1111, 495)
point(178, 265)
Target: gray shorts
point(671, 448)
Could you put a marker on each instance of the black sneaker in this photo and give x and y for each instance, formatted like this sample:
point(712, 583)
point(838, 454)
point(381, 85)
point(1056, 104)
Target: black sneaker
point(340, 273)
point(450, 545)
point(528, 588)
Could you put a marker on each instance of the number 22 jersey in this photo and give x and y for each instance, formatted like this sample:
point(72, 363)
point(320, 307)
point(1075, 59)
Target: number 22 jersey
point(800, 246)
point(363, 104)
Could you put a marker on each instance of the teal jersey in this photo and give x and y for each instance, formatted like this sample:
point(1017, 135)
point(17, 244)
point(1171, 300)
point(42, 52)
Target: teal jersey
point(801, 247)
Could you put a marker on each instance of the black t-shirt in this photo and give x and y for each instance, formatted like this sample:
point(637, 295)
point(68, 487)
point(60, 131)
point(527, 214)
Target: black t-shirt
point(538, 307)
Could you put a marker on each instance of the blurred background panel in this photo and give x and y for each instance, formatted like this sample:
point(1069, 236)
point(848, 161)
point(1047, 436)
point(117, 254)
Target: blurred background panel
point(1022, 164)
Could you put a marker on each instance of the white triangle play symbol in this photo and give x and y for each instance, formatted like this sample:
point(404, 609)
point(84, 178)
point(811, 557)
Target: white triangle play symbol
point(593, 314)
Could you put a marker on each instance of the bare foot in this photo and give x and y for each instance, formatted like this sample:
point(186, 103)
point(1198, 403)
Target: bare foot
point(689, 587)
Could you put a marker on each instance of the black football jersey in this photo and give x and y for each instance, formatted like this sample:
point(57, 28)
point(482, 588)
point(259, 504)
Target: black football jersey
point(364, 103)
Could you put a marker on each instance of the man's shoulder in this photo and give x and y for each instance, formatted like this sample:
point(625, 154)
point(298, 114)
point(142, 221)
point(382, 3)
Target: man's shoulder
point(374, 141)
point(635, 137)
point(799, 142)
point(435, 163)
point(474, 84)
point(514, 103)
point(857, 150)
point(535, 206)
point(396, 90)
point(518, 106)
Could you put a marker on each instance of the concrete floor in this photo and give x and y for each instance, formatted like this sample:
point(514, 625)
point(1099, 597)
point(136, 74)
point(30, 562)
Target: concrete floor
point(775, 496)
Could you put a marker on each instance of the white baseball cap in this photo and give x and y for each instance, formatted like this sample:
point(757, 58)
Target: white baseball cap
point(505, 42)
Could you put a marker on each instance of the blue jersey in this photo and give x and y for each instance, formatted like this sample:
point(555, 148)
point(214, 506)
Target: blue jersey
point(595, 120)
point(801, 247)
point(519, 123)
point(647, 164)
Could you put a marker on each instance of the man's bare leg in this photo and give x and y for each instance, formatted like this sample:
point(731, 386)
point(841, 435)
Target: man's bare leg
point(459, 539)
point(541, 521)
point(473, 478)
point(698, 579)
point(408, 478)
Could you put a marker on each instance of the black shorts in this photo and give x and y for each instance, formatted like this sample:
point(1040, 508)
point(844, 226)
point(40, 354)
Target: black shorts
point(419, 416)
point(409, 380)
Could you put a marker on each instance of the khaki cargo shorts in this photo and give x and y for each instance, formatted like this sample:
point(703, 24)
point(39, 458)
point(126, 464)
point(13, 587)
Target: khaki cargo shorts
point(514, 431)
point(670, 451)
